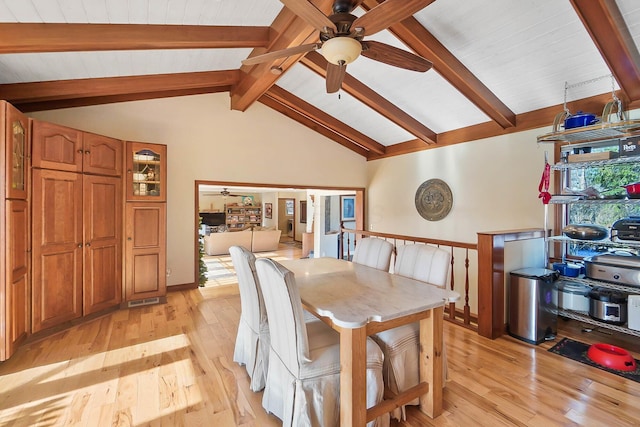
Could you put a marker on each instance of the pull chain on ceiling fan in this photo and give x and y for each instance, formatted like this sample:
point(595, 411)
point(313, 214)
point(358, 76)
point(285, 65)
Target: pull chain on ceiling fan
point(342, 33)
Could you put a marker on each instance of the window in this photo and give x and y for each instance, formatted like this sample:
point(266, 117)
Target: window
point(604, 184)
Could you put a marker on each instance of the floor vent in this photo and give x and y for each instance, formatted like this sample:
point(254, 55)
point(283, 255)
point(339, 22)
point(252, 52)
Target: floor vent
point(146, 301)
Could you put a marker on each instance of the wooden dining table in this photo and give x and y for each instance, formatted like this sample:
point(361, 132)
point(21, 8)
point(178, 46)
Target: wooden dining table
point(358, 301)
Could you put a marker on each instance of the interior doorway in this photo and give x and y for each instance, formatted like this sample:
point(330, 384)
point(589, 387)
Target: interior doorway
point(286, 219)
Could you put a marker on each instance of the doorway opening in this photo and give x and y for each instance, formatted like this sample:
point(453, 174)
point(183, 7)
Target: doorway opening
point(212, 198)
point(286, 219)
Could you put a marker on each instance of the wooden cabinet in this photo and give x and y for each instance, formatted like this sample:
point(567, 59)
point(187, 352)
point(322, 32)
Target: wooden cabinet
point(14, 230)
point(145, 250)
point(102, 262)
point(242, 216)
point(17, 285)
point(145, 223)
point(61, 148)
point(16, 145)
point(57, 247)
point(146, 172)
point(77, 224)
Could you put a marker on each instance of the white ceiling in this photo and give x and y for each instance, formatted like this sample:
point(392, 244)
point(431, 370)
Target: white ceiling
point(522, 50)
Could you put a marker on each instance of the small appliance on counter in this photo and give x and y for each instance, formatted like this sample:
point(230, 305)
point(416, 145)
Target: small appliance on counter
point(621, 269)
point(633, 311)
point(573, 296)
point(626, 229)
point(608, 305)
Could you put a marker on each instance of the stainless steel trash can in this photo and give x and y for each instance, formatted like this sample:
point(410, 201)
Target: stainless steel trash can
point(533, 315)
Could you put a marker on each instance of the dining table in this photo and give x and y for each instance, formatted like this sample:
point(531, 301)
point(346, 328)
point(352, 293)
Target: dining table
point(358, 301)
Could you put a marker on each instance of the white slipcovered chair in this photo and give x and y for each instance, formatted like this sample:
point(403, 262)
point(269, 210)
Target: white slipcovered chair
point(252, 340)
point(303, 381)
point(373, 252)
point(401, 345)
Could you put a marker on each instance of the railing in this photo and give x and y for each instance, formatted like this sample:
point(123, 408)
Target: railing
point(463, 316)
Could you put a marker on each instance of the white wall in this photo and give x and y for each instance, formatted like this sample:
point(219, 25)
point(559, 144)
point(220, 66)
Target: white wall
point(207, 141)
point(494, 184)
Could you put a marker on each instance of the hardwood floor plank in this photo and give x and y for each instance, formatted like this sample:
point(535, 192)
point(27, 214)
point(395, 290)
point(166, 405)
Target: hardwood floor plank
point(172, 365)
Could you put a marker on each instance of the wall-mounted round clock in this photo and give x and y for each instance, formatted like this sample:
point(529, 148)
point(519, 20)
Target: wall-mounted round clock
point(434, 199)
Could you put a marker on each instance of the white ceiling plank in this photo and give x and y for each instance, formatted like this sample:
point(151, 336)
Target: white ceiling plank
point(308, 86)
point(522, 53)
point(21, 11)
point(138, 11)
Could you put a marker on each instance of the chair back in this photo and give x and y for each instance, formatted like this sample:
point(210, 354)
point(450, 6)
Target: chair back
point(286, 316)
point(426, 263)
point(373, 252)
point(252, 308)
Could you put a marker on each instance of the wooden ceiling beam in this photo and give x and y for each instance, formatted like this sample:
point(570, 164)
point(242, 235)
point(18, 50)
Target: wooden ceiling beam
point(423, 43)
point(610, 33)
point(373, 100)
point(110, 99)
point(526, 121)
point(321, 122)
point(23, 38)
point(289, 30)
point(38, 92)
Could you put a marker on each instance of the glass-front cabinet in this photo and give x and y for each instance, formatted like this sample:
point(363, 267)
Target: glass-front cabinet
point(16, 154)
point(146, 172)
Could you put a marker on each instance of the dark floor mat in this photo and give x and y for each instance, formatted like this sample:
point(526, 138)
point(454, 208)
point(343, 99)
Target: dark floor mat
point(577, 351)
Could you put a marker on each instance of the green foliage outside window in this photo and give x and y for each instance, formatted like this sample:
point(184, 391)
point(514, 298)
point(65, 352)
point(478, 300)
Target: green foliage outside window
point(609, 181)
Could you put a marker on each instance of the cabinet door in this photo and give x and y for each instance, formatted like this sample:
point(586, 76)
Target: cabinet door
point(56, 147)
point(57, 248)
point(146, 172)
point(102, 205)
point(16, 301)
point(17, 149)
point(145, 250)
point(102, 155)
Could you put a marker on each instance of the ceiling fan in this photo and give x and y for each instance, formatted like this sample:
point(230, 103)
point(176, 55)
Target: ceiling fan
point(224, 193)
point(342, 34)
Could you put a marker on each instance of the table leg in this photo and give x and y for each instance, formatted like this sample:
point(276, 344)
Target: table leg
point(353, 377)
point(431, 362)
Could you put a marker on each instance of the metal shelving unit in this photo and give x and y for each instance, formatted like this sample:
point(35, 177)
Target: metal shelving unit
point(598, 133)
point(575, 315)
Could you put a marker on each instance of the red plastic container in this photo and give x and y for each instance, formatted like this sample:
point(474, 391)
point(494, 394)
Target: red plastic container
point(633, 189)
point(611, 357)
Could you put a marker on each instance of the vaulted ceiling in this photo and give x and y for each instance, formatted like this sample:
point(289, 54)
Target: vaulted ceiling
point(499, 66)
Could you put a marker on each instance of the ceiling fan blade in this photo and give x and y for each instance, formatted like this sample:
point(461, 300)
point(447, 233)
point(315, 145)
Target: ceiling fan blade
point(388, 13)
point(309, 13)
point(270, 56)
point(393, 56)
point(335, 76)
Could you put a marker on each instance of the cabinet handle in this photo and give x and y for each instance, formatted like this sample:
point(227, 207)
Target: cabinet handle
point(87, 152)
point(88, 244)
point(80, 150)
point(79, 245)
point(128, 238)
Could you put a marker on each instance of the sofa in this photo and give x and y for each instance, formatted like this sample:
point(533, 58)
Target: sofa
point(255, 240)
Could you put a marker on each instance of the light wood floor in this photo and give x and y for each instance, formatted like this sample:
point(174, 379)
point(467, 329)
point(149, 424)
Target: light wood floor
point(171, 365)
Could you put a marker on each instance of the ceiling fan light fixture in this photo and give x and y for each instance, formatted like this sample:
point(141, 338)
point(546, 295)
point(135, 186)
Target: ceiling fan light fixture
point(341, 50)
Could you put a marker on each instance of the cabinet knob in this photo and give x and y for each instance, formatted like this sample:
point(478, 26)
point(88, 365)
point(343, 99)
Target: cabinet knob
point(79, 245)
point(87, 152)
point(88, 243)
point(128, 238)
point(80, 150)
